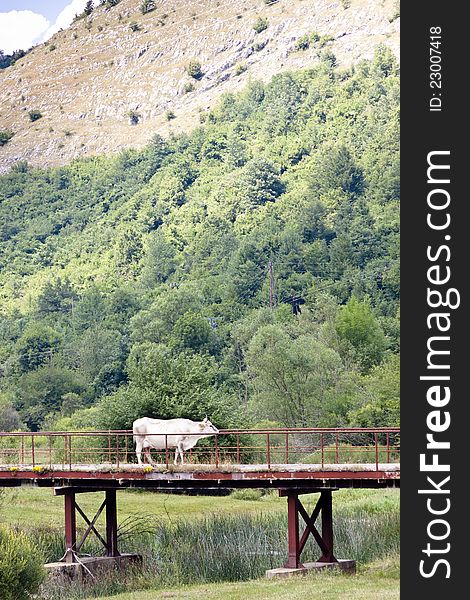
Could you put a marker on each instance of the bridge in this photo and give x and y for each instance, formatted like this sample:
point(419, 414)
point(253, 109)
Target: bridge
point(294, 461)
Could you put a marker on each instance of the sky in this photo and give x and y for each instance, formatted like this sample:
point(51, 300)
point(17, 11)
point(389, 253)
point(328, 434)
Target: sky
point(27, 22)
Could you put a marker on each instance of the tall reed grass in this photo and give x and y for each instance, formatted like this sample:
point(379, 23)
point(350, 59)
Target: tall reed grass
point(218, 548)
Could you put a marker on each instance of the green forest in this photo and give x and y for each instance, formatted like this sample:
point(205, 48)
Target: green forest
point(247, 271)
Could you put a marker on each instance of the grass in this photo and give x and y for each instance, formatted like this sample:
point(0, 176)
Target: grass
point(193, 545)
point(222, 548)
point(36, 506)
point(33, 506)
point(377, 581)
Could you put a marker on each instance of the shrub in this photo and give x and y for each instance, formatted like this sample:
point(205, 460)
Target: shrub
point(34, 115)
point(188, 87)
point(110, 3)
point(240, 68)
point(20, 166)
point(328, 58)
point(134, 117)
point(325, 39)
point(260, 24)
point(53, 47)
point(134, 26)
point(21, 568)
point(169, 115)
point(246, 494)
point(303, 43)
point(258, 46)
point(396, 11)
point(194, 69)
point(147, 6)
point(5, 136)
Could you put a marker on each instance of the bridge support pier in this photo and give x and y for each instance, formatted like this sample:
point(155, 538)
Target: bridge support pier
point(72, 547)
point(296, 542)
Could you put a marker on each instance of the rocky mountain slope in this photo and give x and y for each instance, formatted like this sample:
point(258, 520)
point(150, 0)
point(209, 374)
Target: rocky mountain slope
point(115, 78)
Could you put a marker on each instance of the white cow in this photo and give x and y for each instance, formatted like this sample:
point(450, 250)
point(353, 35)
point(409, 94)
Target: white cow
point(155, 433)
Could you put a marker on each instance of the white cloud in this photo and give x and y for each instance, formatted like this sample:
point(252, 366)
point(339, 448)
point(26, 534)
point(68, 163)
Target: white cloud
point(65, 18)
point(20, 29)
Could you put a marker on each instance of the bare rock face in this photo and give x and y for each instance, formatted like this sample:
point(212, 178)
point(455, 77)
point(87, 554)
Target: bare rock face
point(107, 81)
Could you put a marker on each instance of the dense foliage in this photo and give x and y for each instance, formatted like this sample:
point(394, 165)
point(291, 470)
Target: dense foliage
point(140, 284)
point(21, 566)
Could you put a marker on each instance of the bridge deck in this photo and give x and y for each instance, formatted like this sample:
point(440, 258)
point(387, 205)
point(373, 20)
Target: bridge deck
point(194, 476)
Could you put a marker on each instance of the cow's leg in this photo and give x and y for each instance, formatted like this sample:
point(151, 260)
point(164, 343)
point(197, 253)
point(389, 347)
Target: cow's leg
point(138, 449)
point(179, 450)
point(148, 455)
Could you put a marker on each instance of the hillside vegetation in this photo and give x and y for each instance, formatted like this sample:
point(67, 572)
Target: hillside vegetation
point(161, 281)
point(119, 74)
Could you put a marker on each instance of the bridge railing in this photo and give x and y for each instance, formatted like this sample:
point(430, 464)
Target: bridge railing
point(269, 447)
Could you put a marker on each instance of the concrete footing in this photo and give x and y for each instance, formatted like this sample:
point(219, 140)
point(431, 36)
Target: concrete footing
point(347, 566)
point(91, 565)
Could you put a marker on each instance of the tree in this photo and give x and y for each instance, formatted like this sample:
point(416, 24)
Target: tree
point(290, 376)
point(9, 417)
point(89, 6)
point(258, 183)
point(337, 170)
point(96, 348)
point(358, 326)
point(377, 400)
point(192, 332)
point(71, 402)
point(165, 386)
point(128, 251)
point(159, 260)
point(36, 346)
point(41, 392)
point(57, 297)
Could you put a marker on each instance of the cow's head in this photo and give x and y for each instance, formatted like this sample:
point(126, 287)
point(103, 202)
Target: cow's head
point(207, 427)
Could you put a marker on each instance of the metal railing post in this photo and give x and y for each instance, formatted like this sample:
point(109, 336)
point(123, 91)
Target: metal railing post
point(269, 450)
point(322, 450)
point(376, 452)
